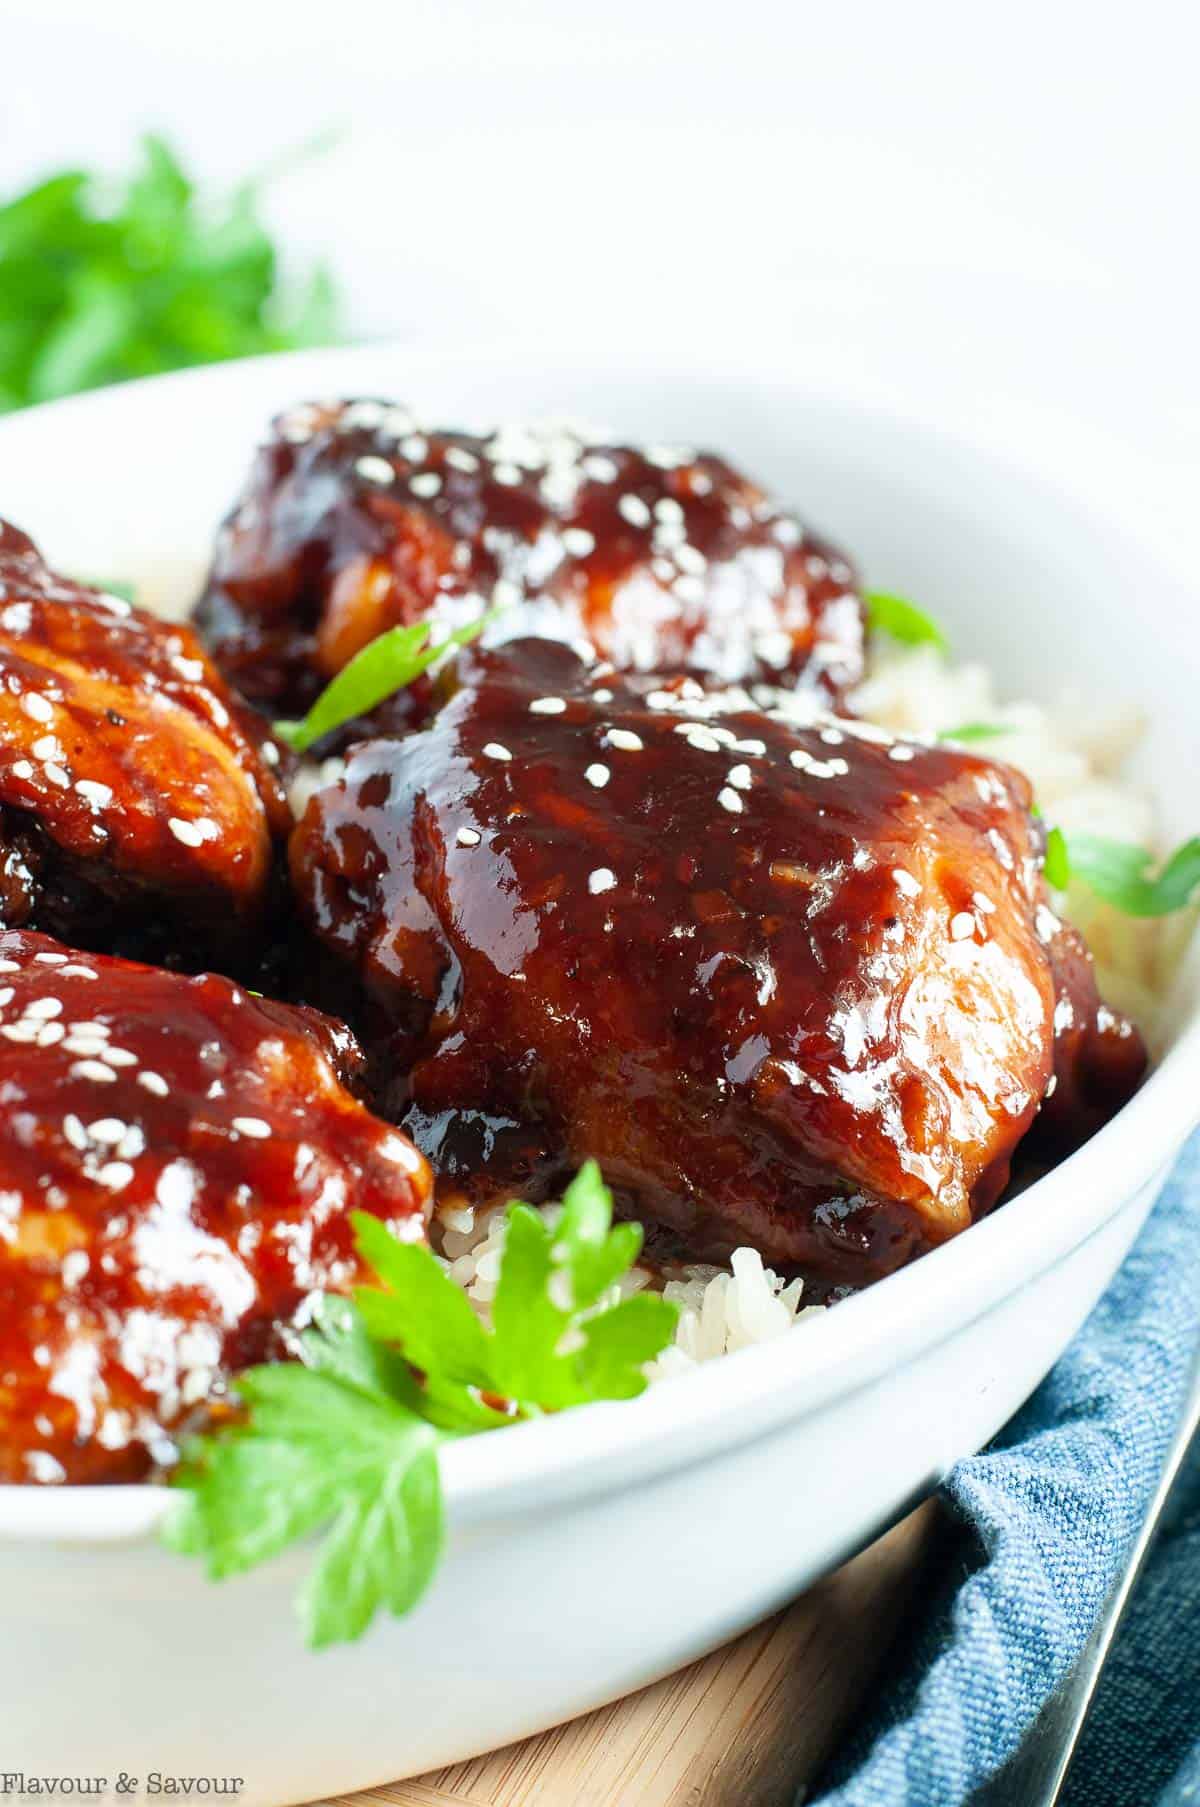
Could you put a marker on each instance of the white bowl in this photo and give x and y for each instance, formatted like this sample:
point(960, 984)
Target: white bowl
point(591, 1553)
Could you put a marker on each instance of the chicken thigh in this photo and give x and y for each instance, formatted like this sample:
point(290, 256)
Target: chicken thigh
point(140, 811)
point(356, 519)
point(793, 986)
point(178, 1161)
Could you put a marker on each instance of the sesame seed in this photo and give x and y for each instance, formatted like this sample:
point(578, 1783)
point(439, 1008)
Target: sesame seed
point(154, 1082)
point(19, 1032)
point(373, 469)
point(602, 879)
point(730, 800)
point(58, 776)
point(98, 794)
point(598, 775)
point(187, 832)
point(624, 740)
point(702, 740)
point(270, 752)
point(93, 1069)
point(600, 469)
point(688, 589)
point(36, 707)
point(115, 1174)
point(547, 705)
point(508, 474)
point(119, 1057)
point(803, 760)
point(467, 837)
point(46, 748)
point(905, 882)
point(7, 995)
point(51, 959)
point(900, 752)
point(107, 1129)
point(690, 560)
point(190, 669)
point(756, 748)
point(962, 926)
point(44, 1007)
point(75, 1265)
point(505, 593)
point(52, 1033)
point(75, 971)
point(22, 769)
point(634, 510)
point(668, 509)
point(415, 448)
point(494, 750)
point(461, 460)
point(74, 1131)
point(739, 777)
point(252, 1126)
point(602, 696)
point(578, 541)
point(425, 483)
point(10, 966)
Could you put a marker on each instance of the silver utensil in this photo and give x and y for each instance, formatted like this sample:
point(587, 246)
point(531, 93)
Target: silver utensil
point(1035, 1776)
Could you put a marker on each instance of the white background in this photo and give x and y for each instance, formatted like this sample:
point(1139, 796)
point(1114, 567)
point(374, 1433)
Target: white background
point(996, 202)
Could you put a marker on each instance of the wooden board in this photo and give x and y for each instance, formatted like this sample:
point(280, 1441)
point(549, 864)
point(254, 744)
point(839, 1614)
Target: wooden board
point(740, 1728)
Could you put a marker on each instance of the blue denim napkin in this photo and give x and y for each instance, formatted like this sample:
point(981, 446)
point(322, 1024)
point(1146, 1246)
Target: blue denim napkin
point(1045, 1516)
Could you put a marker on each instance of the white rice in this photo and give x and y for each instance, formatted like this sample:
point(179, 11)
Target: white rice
point(1074, 755)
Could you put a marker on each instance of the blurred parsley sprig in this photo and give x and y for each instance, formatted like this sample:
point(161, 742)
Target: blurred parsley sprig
point(95, 287)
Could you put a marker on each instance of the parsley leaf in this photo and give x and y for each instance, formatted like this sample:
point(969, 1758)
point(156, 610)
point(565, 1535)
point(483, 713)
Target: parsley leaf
point(902, 620)
point(96, 287)
point(1118, 872)
point(384, 665)
point(345, 1442)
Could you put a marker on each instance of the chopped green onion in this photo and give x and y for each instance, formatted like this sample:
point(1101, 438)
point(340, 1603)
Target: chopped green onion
point(1057, 864)
point(1117, 872)
point(903, 620)
point(386, 664)
point(966, 732)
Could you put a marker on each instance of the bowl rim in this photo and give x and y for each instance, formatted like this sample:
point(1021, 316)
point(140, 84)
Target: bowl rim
point(721, 1405)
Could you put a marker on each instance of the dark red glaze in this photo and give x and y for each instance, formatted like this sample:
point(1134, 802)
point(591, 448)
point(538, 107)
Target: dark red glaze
point(792, 986)
point(355, 519)
point(138, 807)
point(178, 1160)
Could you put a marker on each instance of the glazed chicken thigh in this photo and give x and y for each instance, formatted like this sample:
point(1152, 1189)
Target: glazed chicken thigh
point(793, 986)
point(139, 807)
point(178, 1161)
point(356, 519)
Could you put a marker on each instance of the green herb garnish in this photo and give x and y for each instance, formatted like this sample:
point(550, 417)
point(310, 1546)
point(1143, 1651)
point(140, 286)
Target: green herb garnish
point(966, 732)
point(345, 1442)
point(1057, 864)
point(98, 286)
point(903, 620)
point(386, 664)
point(1119, 873)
